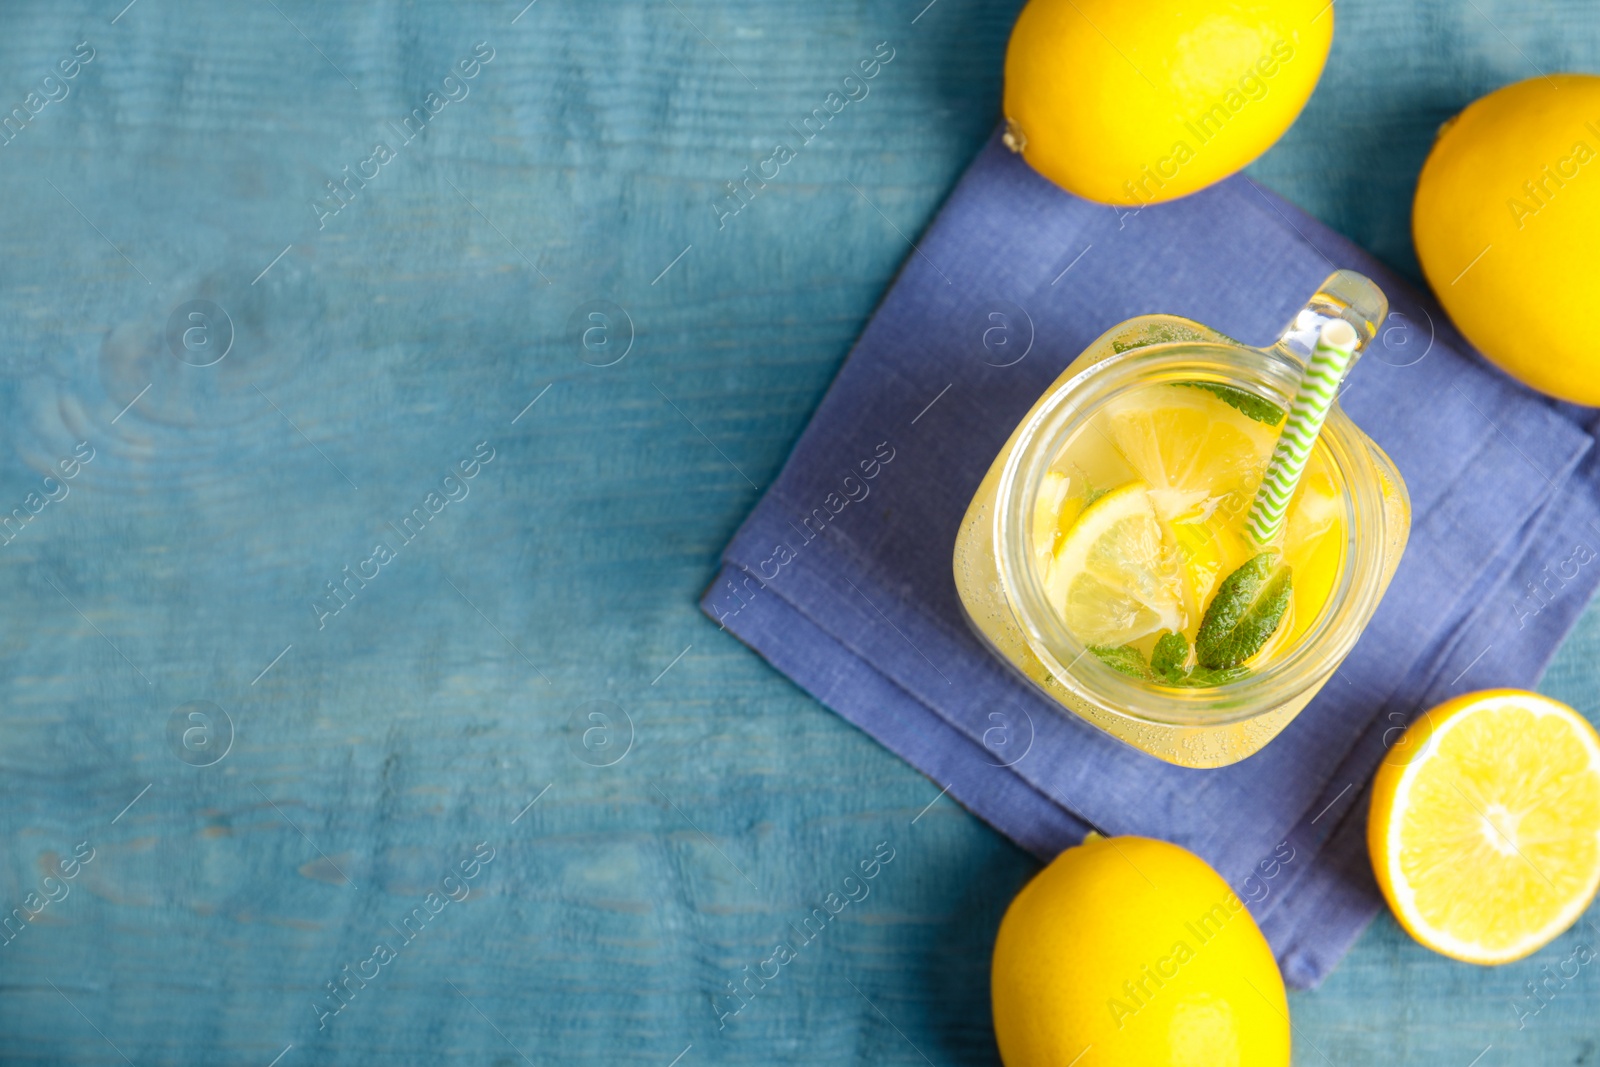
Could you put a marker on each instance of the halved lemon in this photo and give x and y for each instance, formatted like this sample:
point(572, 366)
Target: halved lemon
point(1485, 825)
point(1115, 577)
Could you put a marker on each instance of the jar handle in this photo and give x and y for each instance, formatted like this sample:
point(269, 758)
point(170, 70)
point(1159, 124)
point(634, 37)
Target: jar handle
point(1346, 295)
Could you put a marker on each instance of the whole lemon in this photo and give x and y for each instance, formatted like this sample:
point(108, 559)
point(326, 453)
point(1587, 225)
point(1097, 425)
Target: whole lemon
point(1507, 226)
point(1127, 950)
point(1138, 101)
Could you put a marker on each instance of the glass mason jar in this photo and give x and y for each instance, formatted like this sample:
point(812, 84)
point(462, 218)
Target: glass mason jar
point(1003, 593)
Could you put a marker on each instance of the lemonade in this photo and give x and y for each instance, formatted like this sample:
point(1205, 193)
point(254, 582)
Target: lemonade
point(1140, 518)
point(1105, 556)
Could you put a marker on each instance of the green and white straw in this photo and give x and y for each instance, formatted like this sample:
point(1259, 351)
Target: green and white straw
point(1336, 346)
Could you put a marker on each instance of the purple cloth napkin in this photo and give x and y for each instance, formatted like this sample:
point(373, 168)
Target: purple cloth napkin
point(841, 576)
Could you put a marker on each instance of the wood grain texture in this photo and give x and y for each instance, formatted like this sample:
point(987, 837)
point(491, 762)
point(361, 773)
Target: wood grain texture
point(371, 752)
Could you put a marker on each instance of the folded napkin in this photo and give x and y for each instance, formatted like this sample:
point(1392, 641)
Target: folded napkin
point(841, 576)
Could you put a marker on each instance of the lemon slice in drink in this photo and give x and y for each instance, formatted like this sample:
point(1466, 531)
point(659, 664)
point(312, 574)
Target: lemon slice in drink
point(1485, 825)
point(1202, 459)
point(1196, 453)
point(1114, 577)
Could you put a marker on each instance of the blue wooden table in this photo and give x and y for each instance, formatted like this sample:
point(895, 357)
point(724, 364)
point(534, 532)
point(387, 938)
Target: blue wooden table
point(381, 382)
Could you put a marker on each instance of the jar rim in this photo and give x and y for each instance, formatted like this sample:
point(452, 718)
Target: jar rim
point(1273, 373)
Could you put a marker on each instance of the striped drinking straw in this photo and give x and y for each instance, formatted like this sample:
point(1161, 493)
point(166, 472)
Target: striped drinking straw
point(1336, 346)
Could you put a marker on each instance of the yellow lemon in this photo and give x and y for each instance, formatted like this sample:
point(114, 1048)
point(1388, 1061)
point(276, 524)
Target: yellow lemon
point(1485, 824)
point(1126, 950)
point(1138, 101)
point(1506, 223)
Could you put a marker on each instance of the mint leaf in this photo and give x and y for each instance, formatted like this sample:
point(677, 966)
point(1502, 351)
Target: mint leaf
point(1168, 658)
point(1124, 658)
point(1166, 664)
point(1205, 677)
point(1255, 407)
point(1091, 495)
point(1248, 606)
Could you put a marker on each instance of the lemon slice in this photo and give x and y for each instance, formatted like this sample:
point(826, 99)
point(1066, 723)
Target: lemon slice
point(1048, 518)
point(1114, 577)
point(1485, 825)
point(1195, 452)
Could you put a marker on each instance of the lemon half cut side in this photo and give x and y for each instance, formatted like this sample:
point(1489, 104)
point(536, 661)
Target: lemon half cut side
point(1485, 825)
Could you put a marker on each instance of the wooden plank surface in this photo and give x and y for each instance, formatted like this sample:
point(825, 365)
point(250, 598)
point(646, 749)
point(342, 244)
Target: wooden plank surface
point(531, 638)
